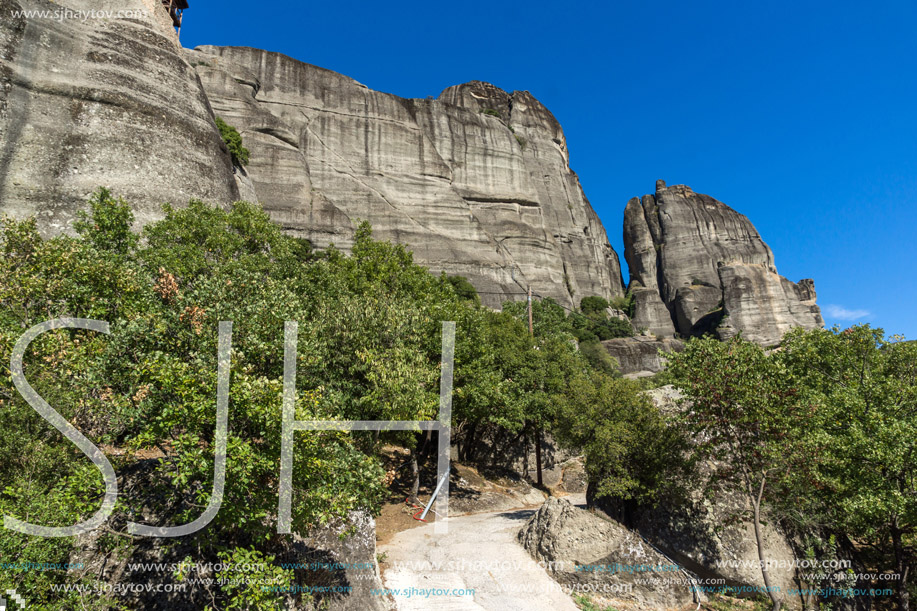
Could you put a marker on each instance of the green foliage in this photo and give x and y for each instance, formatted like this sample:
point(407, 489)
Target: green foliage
point(632, 453)
point(549, 318)
point(597, 356)
point(593, 304)
point(369, 348)
point(464, 289)
point(861, 436)
point(491, 112)
point(749, 415)
point(107, 225)
point(598, 326)
point(585, 603)
point(233, 140)
point(258, 588)
point(625, 304)
point(746, 407)
point(822, 430)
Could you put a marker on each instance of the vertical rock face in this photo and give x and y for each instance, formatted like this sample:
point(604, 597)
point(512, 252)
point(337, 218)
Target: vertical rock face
point(697, 266)
point(476, 182)
point(101, 100)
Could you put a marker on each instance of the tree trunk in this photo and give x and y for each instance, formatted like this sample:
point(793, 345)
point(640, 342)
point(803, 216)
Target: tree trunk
point(538, 455)
point(759, 539)
point(415, 472)
point(901, 565)
point(468, 444)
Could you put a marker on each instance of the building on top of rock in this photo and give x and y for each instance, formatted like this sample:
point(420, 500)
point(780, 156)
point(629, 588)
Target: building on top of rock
point(697, 266)
point(176, 9)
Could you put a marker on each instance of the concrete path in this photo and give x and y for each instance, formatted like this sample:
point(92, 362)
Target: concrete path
point(478, 565)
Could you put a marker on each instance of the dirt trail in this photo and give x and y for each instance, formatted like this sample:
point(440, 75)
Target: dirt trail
point(479, 553)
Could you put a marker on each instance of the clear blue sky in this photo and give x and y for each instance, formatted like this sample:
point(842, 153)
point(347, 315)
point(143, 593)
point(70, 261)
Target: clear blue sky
point(801, 116)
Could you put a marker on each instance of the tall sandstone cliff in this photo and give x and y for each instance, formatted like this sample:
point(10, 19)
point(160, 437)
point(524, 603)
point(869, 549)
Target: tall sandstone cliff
point(476, 182)
point(86, 102)
point(697, 265)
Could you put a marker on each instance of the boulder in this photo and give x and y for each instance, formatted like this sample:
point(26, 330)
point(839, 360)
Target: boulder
point(581, 548)
point(641, 355)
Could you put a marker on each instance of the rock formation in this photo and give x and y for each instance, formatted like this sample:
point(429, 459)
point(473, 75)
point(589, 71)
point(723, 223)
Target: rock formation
point(698, 266)
point(641, 355)
point(101, 102)
point(476, 182)
point(583, 549)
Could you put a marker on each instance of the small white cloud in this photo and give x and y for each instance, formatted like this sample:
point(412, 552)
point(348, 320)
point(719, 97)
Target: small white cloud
point(841, 313)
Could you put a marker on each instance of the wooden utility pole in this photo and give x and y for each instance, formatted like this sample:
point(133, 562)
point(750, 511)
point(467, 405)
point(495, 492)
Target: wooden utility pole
point(537, 427)
point(531, 328)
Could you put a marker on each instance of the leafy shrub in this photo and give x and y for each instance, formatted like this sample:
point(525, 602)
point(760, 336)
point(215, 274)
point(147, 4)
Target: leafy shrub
point(593, 304)
point(107, 224)
point(464, 289)
point(233, 141)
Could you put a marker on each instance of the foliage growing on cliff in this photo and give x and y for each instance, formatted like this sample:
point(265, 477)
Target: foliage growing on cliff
point(233, 140)
point(464, 289)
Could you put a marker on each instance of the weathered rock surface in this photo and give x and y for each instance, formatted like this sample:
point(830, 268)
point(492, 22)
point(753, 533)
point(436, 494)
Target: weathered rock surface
point(580, 547)
point(349, 549)
point(476, 182)
point(102, 102)
point(640, 355)
point(698, 266)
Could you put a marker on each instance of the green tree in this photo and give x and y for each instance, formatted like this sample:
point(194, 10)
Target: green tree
point(593, 304)
point(633, 454)
point(749, 417)
point(464, 289)
point(862, 436)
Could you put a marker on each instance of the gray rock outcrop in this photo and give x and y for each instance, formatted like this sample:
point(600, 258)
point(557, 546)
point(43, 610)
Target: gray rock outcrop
point(698, 266)
point(102, 102)
point(641, 355)
point(476, 182)
point(581, 548)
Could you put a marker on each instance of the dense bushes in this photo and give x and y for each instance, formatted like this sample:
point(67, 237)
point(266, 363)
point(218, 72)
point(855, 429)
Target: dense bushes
point(369, 341)
point(821, 431)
